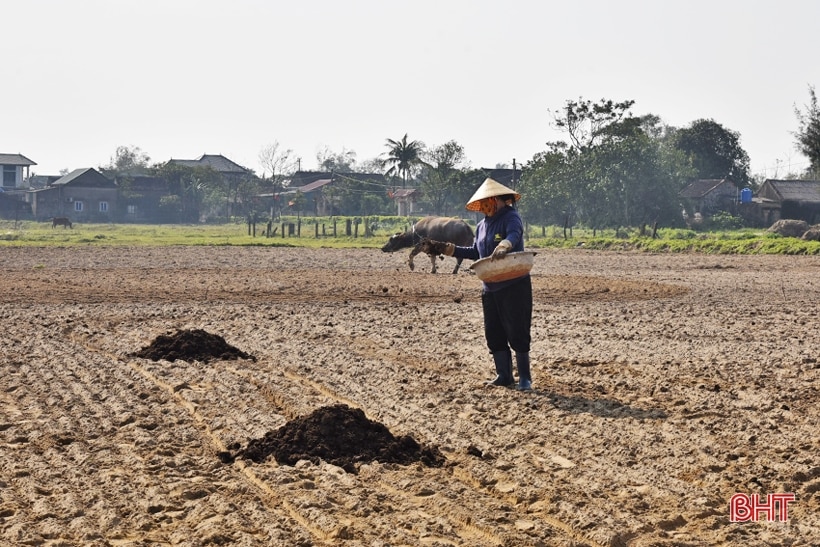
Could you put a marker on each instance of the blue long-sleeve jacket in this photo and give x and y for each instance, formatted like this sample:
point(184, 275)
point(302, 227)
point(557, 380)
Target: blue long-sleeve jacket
point(505, 224)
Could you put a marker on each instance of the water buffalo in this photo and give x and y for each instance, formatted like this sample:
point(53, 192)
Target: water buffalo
point(61, 221)
point(451, 230)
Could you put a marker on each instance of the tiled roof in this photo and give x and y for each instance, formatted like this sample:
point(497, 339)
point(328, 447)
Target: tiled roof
point(796, 190)
point(404, 193)
point(700, 188)
point(89, 176)
point(315, 185)
point(65, 179)
point(507, 177)
point(15, 159)
point(302, 178)
point(217, 162)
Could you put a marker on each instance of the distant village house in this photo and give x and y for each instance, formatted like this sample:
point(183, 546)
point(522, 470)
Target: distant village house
point(704, 197)
point(15, 171)
point(84, 195)
point(789, 199)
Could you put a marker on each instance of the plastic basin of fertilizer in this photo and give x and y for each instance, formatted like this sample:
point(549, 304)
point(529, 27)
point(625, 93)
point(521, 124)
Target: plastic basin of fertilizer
point(511, 266)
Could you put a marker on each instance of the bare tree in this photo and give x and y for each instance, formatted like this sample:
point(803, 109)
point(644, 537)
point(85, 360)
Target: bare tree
point(280, 164)
point(276, 161)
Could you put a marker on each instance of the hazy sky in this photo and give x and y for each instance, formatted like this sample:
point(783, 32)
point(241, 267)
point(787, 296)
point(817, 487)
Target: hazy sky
point(180, 78)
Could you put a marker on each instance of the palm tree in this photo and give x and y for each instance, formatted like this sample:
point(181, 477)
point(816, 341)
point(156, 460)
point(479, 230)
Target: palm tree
point(403, 157)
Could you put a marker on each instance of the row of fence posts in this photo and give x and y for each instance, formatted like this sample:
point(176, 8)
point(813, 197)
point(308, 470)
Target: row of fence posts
point(294, 229)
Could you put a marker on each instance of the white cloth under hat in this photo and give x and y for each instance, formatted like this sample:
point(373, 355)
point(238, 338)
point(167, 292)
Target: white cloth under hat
point(488, 189)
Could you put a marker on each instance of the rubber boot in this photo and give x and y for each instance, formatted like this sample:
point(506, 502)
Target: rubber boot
point(503, 369)
point(522, 361)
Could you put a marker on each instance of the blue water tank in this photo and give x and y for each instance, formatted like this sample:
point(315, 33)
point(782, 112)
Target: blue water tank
point(746, 195)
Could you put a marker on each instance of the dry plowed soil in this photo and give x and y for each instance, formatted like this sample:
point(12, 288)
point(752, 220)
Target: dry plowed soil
point(295, 397)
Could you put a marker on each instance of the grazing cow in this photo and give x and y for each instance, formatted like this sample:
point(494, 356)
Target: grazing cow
point(450, 230)
point(61, 221)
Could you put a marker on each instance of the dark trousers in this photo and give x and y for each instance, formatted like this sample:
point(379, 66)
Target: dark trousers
point(508, 317)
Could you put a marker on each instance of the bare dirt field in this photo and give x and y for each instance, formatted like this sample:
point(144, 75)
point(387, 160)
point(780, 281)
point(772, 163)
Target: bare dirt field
point(663, 386)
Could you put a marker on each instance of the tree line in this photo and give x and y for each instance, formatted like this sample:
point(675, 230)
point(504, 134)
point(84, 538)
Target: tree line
point(612, 169)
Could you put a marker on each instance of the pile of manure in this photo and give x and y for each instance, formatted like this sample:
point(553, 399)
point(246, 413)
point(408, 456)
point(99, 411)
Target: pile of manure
point(191, 345)
point(339, 435)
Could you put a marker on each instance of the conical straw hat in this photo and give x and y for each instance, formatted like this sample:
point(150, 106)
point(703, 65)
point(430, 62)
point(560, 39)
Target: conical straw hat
point(489, 188)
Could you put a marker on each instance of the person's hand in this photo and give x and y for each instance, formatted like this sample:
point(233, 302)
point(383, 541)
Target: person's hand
point(435, 248)
point(501, 250)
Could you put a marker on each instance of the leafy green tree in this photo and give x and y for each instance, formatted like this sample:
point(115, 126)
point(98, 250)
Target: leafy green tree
point(587, 123)
point(353, 195)
point(808, 133)
point(714, 151)
point(441, 174)
point(545, 187)
point(615, 169)
point(126, 162)
point(126, 159)
point(243, 195)
point(404, 157)
point(465, 185)
point(371, 165)
point(193, 185)
point(297, 202)
point(358, 195)
point(594, 171)
point(340, 162)
point(169, 207)
point(642, 174)
point(594, 188)
point(371, 204)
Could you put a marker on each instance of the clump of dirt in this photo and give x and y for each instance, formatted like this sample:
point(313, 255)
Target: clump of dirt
point(342, 436)
point(191, 345)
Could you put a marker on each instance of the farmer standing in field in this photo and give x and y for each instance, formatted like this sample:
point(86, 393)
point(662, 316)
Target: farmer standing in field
point(507, 305)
